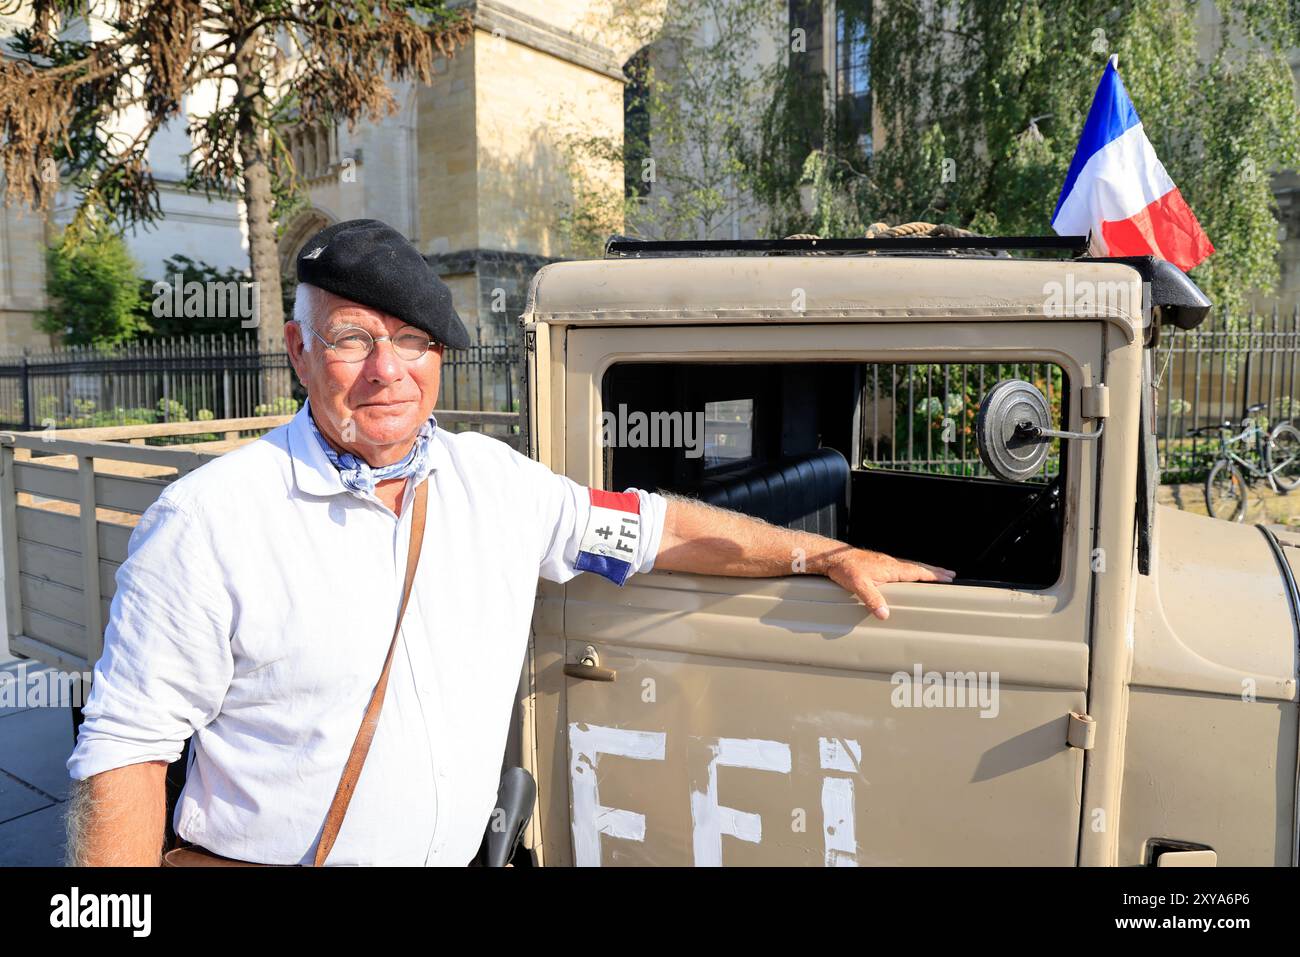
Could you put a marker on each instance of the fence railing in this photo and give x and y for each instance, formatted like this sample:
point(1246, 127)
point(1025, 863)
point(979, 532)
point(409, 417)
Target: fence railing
point(69, 502)
point(920, 418)
point(140, 383)
point(1215, 372)
point(214, 377)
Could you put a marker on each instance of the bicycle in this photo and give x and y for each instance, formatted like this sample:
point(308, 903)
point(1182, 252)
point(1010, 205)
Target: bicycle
point(1278, 452)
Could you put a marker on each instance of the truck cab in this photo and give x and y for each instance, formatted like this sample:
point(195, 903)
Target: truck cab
point(1105, 683)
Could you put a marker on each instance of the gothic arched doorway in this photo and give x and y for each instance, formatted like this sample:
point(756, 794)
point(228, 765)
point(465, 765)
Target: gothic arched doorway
point(305, 225)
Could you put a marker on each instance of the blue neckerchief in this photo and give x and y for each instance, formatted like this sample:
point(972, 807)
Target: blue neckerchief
point(359, 476)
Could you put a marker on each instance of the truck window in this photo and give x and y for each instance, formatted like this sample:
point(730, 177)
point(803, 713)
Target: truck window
point(877, 455)
point(728, 432)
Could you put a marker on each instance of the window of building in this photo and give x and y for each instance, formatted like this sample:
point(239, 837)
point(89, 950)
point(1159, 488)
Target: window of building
point(314, 149)
point(853, 65)
point(636, 125)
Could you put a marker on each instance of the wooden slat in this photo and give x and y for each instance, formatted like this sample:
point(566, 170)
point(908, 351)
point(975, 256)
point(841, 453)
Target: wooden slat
point(127, 494)
point(124, 494)
point(179, 458)
point(58, 610)
point(116, 433)
point(48, 528)
point(63, 566)
point(47, 653)
point(64, 531)
point(9, 543)
point(63, 635)
point(113, 540)
point(94, 617)
point(46, 480)
point(112, 516)
point(108, 466)
point(51, 598)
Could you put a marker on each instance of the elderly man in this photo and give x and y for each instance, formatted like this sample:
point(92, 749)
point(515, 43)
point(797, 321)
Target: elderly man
point(258, 610)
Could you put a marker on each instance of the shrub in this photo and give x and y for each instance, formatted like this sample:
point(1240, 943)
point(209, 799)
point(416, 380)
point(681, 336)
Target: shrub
point(94, 291)
point(280, 405)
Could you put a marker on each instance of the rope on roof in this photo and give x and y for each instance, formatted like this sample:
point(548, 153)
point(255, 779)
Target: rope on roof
point(916, 230)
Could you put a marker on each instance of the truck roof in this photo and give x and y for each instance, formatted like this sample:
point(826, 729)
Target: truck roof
point(747, 289)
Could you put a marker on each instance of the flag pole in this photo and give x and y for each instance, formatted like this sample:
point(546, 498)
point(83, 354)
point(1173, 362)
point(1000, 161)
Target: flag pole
point(1114, 60)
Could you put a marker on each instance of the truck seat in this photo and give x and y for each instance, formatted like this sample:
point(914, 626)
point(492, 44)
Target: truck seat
point(809, 492)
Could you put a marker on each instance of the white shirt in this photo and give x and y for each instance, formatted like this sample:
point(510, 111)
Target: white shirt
point(255, 610)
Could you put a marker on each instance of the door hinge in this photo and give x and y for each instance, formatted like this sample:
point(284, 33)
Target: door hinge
point(1094, 402)
point(1082, 732)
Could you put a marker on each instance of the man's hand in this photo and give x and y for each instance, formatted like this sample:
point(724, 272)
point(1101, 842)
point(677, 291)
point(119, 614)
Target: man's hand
point(713, 541)
point(860, 571)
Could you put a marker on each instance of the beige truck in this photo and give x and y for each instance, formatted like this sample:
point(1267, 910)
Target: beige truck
point(1106, 683)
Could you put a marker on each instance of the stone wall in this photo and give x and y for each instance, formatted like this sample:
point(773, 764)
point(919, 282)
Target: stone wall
point(489, 288)
point(446, 167)
point(22, 278)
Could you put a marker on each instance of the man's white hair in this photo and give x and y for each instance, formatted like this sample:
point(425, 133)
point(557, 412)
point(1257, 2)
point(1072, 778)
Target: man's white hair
point(310, 303)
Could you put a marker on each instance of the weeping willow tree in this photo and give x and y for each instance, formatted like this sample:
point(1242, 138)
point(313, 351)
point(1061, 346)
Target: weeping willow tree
point(79, 107)
point(977, 106)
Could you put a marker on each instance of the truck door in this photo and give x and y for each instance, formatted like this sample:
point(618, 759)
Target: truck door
point(696, 720)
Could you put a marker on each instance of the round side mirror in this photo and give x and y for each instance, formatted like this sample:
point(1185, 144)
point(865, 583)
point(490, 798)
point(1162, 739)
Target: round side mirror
point(1004, 430)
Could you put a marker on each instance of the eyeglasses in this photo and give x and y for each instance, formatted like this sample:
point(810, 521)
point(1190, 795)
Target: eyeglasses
point(354, 344)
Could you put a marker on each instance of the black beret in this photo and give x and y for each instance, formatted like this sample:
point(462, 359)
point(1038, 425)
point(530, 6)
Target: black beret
point(371, 263)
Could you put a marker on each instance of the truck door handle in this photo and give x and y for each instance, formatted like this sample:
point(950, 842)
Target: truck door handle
point(588, 668)
point(1205, 858)
point(1162, 852)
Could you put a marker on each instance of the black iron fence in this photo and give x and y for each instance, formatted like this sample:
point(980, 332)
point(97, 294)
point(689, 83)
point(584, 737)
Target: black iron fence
point(920, 417)
point(207, 377)
point(482, 378)
point(1215, 373)
point(912, 416)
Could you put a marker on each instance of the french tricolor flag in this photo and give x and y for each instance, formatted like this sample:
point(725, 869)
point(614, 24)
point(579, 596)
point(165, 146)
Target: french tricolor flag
point(1118, 190)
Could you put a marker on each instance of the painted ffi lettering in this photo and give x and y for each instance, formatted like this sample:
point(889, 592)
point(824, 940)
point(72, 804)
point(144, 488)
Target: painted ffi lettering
point(839, 754)
point(587, 742)
point(711, 819)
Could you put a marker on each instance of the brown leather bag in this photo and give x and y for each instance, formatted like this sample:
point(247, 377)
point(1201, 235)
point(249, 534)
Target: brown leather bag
point(191, 855)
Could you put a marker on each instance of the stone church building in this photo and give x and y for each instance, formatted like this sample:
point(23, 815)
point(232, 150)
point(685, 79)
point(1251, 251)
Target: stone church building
point(471, 168)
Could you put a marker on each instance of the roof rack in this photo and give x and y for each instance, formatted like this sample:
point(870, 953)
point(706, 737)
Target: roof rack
point(623, 247)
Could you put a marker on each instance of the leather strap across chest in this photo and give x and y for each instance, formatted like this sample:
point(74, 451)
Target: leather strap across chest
point(370, 722)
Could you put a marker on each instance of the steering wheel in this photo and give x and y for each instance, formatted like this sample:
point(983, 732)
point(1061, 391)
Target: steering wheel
point(997, 552)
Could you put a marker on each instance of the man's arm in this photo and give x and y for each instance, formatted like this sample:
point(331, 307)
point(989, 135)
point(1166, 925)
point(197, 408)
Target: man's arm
point(117, 818)
point(165, 671)
point(712, 541)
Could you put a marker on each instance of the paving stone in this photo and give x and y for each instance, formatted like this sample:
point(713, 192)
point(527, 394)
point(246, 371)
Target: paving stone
point(34, 747)
point(16, 798)
point(34, 840)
